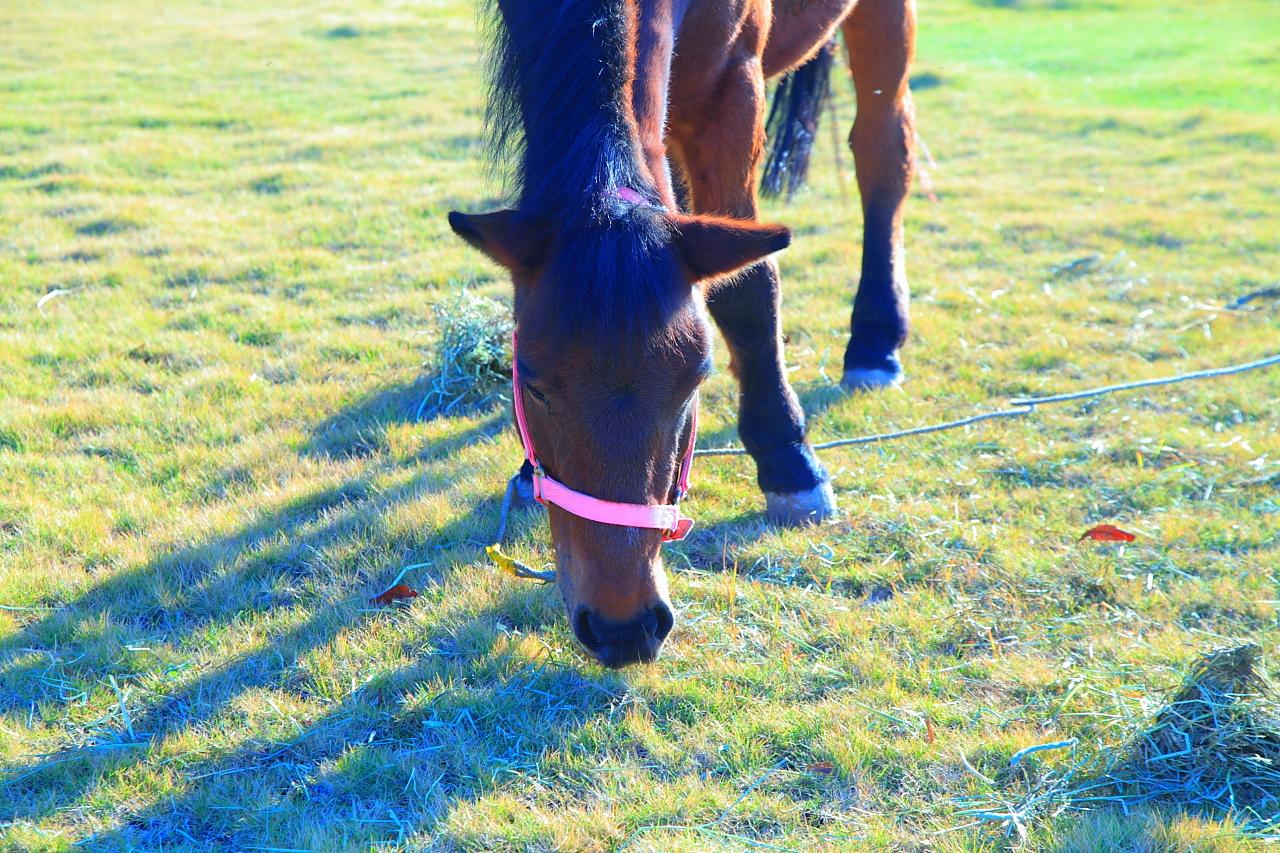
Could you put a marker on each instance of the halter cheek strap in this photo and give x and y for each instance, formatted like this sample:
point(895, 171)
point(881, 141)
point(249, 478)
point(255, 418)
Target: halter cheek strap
point(547, 490)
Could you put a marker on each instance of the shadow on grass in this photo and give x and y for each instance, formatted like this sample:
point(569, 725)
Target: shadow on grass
point(360, 430)
point(816, 397)
point(477, 707)
point(396, 756)
point(186, 599)
point(710, 547)
point(279, 572)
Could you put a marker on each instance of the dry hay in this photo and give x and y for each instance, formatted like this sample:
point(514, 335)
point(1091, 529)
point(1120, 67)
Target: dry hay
point(1213, 749)
point(472, 358)
point(1215, 746)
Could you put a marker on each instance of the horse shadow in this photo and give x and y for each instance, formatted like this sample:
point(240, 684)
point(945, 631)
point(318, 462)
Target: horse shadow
point(360, 430)
point(472, 701)
point(819, 395)
point(712, 547)
point(494, 713)
point(284, 561)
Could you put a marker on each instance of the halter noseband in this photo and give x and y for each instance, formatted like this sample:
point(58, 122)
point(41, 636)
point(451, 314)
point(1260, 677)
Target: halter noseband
point(546, 490)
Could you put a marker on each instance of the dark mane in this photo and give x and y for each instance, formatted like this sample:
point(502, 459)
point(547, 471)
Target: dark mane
point(561, 134)
point(559, 111)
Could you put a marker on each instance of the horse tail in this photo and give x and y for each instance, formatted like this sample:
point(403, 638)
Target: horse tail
point(792, 127)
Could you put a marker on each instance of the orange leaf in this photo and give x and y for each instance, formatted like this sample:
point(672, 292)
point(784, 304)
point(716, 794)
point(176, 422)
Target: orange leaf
point(821, 768)
point(1107, 533)
point(399, 592)
point(929, 735)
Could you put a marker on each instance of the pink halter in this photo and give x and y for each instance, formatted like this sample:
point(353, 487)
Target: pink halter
point(665, 517)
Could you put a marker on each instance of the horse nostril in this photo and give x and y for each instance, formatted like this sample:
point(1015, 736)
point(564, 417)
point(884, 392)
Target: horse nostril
point(620, 643)
point(583, 631)
point(665, 621)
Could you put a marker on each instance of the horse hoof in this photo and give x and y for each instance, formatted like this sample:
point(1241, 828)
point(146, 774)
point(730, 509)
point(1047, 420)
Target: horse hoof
point(870, 379)
point(797, 509)
point(872, 373)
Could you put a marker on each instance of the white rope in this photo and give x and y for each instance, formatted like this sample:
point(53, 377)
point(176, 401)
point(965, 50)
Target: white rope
point(1151, 383)
point(1023, 406)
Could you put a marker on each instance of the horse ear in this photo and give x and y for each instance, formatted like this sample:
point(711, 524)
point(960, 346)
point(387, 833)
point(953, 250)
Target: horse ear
point(509, 238)
point(713, 246)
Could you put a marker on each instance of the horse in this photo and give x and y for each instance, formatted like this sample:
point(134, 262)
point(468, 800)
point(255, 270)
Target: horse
point(603, 114)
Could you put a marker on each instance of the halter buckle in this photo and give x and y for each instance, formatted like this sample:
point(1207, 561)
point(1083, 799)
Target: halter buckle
point(678, 532)
point(538, 473)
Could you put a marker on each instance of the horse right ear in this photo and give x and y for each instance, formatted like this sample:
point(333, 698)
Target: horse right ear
point(713, 246)
point(512, 240)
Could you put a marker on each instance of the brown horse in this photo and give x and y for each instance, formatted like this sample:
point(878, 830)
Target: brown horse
point(596, 101)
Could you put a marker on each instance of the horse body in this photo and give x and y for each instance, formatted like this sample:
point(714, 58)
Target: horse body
point(715, 132)
point(599, 100)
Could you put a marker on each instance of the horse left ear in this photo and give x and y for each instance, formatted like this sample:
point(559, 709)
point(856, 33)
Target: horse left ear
point(509, 238)
point(713, 246)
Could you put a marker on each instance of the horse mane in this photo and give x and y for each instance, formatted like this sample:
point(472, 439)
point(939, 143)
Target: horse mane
point(559, 116)
point(561, 134)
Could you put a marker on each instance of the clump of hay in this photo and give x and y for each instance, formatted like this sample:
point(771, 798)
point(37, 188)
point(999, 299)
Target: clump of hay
point(1215, 746)
point(472, 358)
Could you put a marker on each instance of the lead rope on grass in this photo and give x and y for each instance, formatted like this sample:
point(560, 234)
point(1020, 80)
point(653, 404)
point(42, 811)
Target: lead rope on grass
point(1022, 406)
point(511, 566)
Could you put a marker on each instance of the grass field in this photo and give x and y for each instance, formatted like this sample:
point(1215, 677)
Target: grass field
point(221, 237)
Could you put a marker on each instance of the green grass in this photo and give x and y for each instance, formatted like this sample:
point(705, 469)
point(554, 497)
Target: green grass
point(209, 461)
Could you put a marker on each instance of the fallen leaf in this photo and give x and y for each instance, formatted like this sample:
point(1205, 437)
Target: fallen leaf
point(1107, 533)
point(929, 735)
point(821, 768)
point(399, 592)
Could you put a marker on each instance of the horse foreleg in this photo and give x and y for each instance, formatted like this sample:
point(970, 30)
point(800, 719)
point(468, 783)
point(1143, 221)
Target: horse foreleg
point(718, 141)
point(880, 38)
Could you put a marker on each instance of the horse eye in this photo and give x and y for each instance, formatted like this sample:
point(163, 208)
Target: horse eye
point(536, 394)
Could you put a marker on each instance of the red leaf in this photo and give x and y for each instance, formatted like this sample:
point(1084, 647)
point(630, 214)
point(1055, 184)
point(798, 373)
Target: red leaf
point(1107, 533)
point(821, 768)
point(399, 592)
